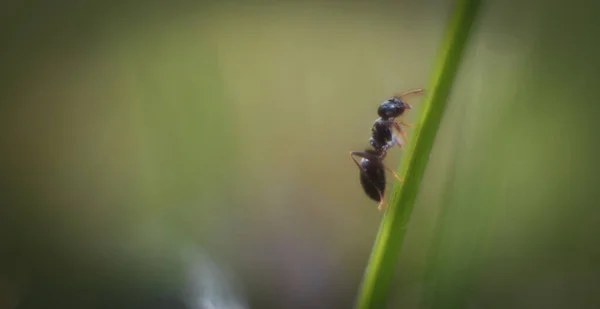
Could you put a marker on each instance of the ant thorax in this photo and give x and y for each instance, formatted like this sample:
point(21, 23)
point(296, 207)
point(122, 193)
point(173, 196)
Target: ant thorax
point(383, 135)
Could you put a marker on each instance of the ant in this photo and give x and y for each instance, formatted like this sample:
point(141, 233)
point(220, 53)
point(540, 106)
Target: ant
point(372, 174)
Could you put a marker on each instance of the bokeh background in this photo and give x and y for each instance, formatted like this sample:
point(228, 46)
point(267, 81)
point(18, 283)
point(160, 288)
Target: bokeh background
point(195, 154)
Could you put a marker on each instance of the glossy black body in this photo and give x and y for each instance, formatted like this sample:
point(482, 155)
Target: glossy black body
point(372, 174)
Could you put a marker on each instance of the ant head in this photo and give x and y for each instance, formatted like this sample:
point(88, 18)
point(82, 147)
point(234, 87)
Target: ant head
point(392, 108)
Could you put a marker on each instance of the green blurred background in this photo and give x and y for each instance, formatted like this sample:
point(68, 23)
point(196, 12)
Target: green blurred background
point(142, 140)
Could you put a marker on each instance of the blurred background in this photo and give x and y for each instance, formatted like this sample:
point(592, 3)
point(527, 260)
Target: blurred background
point(190, 154)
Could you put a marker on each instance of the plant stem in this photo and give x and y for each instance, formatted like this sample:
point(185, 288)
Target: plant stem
point(379, 271)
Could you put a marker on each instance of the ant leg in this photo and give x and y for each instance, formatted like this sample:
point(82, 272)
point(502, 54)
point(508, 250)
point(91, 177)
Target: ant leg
point(397, 142)
point(394, 173)
point(398, 128)
point(359, 154)
point(381, 204)
point(396, 123)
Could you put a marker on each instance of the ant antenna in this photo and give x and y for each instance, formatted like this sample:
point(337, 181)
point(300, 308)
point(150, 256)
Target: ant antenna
point(410, 92)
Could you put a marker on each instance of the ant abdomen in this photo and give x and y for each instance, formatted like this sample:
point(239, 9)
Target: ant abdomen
point(372, 179)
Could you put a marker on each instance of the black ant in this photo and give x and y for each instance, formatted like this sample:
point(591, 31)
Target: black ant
point(372, 174)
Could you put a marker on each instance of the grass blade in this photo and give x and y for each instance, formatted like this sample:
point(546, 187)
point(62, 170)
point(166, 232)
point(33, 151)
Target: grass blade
point(379, 271)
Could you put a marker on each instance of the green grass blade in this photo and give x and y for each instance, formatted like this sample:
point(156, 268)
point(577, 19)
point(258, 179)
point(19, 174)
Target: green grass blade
point(379, 271)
